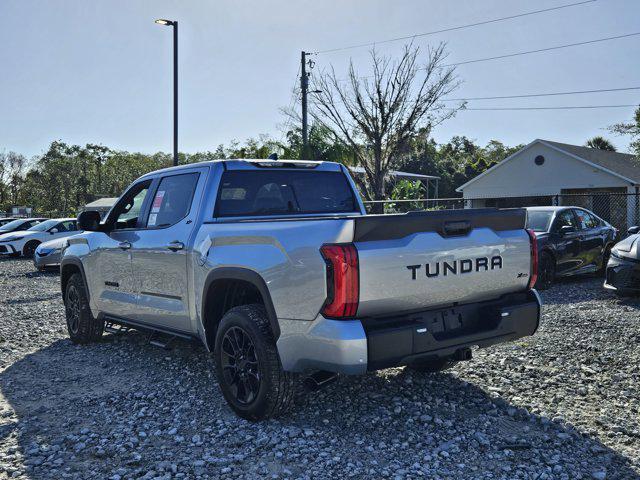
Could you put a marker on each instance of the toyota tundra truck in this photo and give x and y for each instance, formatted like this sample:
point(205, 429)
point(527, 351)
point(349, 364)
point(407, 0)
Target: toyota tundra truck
point(277, 269)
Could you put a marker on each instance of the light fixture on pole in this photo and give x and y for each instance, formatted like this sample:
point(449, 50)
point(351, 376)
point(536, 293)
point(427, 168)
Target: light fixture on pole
point(174, 24)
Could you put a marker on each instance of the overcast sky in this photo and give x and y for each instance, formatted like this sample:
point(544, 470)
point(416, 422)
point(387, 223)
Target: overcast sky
point(99, 71)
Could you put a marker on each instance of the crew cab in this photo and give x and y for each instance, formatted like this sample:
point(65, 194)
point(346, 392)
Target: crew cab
point(275, 267)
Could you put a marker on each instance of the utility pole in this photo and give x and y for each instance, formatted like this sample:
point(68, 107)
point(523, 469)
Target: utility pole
point(175, 93)
point(174, 24)
point(304, 86)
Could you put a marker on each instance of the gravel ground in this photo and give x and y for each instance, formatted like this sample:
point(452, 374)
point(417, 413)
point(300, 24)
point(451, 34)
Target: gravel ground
point(562, 404)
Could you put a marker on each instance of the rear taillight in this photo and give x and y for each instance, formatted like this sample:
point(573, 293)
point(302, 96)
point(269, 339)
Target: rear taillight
point(343, 282)
point(533, 276)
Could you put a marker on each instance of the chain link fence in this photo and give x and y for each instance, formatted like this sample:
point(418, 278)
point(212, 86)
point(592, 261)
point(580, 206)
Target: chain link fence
point(622, 210)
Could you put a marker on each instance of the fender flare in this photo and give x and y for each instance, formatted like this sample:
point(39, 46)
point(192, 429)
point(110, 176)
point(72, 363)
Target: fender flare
point(76, 262)
point(250, 276)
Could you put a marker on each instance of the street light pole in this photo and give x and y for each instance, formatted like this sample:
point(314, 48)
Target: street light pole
point(174, 24)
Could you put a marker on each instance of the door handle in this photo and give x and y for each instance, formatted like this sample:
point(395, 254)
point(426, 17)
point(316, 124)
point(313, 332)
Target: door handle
point(175, 246)
point(124, 245)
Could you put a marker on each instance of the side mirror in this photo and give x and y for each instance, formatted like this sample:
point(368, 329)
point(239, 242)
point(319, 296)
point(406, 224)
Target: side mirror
point(89, 221)
point(567, 229)
point(53, 230)
point(633, 230)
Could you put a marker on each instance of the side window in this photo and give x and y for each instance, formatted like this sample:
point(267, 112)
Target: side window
point(172, 200)
point(587, 220)
point(565, 219)
point(127, 211)
point(68, 226)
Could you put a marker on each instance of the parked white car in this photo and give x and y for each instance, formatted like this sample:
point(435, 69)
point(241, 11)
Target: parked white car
point(25, 242)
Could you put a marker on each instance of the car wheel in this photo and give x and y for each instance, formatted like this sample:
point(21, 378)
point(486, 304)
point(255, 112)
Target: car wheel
point(81, 325)
point(546, 271)
point(605, 261)
point(432, 366)
point(248, 367)
point(30, 248)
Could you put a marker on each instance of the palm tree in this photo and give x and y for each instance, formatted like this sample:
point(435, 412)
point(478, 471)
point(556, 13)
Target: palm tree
point(600, 143)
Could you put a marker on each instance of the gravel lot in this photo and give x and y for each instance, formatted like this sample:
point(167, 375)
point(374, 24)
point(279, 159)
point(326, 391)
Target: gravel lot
point(563, 404)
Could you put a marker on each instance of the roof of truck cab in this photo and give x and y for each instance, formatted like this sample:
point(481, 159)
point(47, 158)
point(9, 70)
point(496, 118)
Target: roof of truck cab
point(247, 163)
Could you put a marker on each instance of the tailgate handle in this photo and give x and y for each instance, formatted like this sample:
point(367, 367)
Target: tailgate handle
point(461, 227)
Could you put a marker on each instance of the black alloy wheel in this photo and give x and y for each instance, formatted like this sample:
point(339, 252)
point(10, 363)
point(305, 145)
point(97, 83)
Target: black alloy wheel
point(30, 249)
point(73, 307)
point(240, 365)
point(546, 271)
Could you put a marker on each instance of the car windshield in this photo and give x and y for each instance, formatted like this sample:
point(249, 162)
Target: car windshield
point(41, 227)
point(539, 221)
point(12, 225)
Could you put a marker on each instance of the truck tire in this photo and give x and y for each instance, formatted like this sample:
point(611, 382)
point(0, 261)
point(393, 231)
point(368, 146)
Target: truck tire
point(248, 367)
point(81, 325)
point(30, 248)
point(432, 366)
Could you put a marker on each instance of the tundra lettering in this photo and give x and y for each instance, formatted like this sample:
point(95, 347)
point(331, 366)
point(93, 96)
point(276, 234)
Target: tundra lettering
point(458, 266)
point(276, 269)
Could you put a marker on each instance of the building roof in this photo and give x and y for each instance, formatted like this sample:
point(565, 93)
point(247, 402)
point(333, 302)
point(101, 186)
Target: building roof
point(101, 203)
point(622, 165)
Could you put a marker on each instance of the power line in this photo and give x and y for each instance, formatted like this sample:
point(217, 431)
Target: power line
point(531, 95)
point(527, 52)
point(459, 27)
point(542, 50)
point(577, 107)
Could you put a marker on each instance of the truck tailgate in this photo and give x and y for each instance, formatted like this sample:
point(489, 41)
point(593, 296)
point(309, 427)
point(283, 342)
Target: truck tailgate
point(436, 259)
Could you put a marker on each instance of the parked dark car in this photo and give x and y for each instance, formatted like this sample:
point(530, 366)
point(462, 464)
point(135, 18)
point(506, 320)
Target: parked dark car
point(571, 241)
point(623, 269)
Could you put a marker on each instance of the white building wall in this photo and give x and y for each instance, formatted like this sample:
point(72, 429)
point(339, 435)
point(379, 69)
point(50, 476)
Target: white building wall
point(520, 176)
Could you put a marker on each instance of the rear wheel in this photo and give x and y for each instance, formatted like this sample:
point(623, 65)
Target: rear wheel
point(433, 365)
point(546, 271)
point(606, 255)
point(248, 367)
point(81, 325)
point(30, 248)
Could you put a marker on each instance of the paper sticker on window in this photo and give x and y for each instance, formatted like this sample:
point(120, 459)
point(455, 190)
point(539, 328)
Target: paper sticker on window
point(157, 202)
point(152, 219)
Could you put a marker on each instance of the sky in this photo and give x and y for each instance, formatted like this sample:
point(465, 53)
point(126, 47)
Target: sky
point(100, 71)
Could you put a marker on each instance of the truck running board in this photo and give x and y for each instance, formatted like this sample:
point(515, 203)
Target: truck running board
point(158, 336)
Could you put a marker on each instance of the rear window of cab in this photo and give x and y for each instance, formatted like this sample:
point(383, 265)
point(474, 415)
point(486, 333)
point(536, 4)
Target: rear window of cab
point(283, 192)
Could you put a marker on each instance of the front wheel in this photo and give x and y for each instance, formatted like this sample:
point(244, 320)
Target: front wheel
point(546, 271)
point(81, 325)
point(30, 248)
point(248, 367)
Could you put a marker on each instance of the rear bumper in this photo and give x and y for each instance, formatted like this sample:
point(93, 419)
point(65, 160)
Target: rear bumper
point(355, 346)
point(623, 275)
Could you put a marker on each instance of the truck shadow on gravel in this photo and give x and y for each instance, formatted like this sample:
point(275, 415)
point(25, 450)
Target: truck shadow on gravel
point(125, 407)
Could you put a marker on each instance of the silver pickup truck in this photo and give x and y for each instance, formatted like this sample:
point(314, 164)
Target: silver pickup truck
point(275, 267)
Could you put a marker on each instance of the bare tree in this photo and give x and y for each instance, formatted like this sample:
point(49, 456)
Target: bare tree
point(377, 116)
